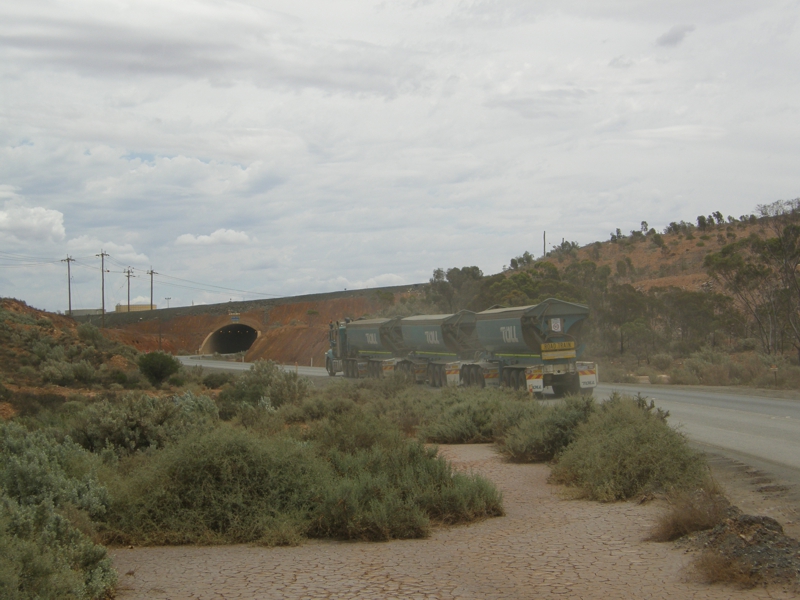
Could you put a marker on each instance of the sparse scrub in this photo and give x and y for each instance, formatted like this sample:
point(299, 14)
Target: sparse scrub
point(690, 511)
point(713, 567)
point(627, 448)
point(217, 380)
point(661, 361)
point(540, 437)
point(139, 422)
point(265, 385)
point(467, 418)
point(46, 489)
point(225, 486)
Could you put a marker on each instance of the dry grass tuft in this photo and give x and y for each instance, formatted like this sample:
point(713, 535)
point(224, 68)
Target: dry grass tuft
point(713, 567)
point(691, 511)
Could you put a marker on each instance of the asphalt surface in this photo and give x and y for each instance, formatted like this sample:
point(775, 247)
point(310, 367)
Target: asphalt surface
point(211, 364)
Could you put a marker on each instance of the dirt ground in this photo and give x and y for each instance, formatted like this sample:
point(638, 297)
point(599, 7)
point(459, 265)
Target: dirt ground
point(545, 547)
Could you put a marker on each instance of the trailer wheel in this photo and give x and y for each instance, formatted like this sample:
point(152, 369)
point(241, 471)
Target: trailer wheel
point(522, 383)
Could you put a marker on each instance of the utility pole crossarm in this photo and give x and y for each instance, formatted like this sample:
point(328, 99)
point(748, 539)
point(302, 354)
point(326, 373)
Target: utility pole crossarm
point(129, 273)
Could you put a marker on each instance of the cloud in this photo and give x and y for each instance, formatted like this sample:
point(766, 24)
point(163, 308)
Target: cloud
point(220, 236)
point(31, 224)
point(675, 35)
point(121, 254)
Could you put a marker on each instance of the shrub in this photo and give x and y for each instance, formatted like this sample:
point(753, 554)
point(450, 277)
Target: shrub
point(691, 511)
point(158, 366)
point(265, 384)
point(90, 334)
point(627, 448)
point(35, 469)
point(42, 553)
point(661, 361)
point(542, 436)
point(217, 380)
point(223, 486)
point(395, 491)
point(467, 418)
point(139, 421)
point(42, 556)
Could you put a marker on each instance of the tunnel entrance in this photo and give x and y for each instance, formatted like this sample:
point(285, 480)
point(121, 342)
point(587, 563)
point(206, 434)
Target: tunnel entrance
point(231, 339)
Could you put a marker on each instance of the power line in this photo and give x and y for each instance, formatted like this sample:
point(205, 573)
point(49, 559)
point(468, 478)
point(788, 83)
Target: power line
point(219, 287)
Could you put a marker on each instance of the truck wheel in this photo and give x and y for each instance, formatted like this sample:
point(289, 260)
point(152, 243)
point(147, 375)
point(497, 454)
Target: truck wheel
point(329, 367)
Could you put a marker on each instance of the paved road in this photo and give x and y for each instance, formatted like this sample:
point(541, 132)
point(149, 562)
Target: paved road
point(749, 425)
point(222, 365)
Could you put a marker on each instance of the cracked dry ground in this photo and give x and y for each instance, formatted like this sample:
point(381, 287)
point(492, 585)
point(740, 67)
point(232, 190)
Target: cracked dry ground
point(545, 547)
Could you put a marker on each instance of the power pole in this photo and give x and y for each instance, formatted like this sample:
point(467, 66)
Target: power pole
point(102, 256)
point(68, 260)
point(151, 273)
point(129, 273)
point(544, 244)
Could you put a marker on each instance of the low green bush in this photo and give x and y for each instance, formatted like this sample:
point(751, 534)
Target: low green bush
point(138, 422)
point(44, 557)
point(217, 380)
point(395, 488)
point(627, 448)
point(226, 485)
point(661, 361)
point(265, 384)
point(540, 437)
point(47, 488)
point(467, 416)
point(158, 366)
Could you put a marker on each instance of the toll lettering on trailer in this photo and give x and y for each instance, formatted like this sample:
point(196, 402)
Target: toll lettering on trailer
point(432, 337)
point(372, 338)
point(509, 334)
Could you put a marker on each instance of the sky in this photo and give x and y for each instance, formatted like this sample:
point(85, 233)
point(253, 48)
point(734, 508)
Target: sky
point(245, 149)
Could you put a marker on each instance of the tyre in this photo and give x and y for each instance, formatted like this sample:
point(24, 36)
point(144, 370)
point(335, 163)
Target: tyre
point(512, 379)
point(329, 367)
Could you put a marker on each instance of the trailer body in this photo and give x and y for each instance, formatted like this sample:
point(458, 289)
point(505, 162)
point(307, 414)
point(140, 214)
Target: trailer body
point(525, 347)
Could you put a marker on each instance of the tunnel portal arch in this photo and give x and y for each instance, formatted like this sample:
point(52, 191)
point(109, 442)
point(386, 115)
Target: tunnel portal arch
point(230, 339)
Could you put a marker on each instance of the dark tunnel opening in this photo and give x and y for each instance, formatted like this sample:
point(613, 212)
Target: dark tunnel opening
point(232, 339)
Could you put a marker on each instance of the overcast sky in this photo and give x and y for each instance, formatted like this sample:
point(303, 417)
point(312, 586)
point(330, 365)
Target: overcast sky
point(302, 146)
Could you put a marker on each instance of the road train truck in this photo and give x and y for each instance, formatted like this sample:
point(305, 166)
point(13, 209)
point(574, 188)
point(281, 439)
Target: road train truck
point(523, 347)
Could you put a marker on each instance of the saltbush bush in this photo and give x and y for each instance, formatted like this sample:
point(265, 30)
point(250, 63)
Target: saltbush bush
point(626, 448)
point(540, 437)
point(43, 554)
point(223, 486)
point(265, 385)
point(138, 421)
